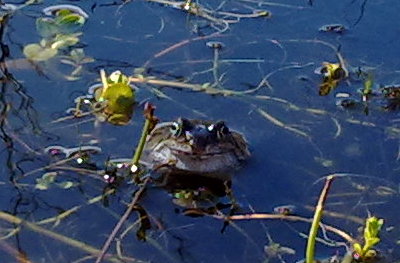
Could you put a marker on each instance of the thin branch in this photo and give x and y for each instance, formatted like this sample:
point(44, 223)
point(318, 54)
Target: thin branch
point(122, 220)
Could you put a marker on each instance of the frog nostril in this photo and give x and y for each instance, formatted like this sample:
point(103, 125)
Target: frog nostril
point(200, 140)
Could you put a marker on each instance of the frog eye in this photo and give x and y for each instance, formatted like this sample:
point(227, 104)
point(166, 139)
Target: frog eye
point(175, 129)
point(222, 130)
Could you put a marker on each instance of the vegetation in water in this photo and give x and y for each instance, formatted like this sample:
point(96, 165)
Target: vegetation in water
point(103, 183)
point(332, 73)
point(366, 252)
point(59, 31)
point(112, 101)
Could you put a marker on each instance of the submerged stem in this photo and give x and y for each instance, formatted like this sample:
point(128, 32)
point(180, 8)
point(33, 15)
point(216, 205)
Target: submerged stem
point(216, 69)
point(64, 239)
point(142, 141)
point(149, 123)
point(310, 252)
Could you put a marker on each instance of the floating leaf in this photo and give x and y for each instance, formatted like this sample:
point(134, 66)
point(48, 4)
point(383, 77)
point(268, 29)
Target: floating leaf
point(63, 41)
point(56, 9)
point(67, 184)
point(36, 52)
point(336, 28)
point(69, 22)
point(46, 27)
point(45, 181)
point(48, 179)
point(79, 57)
point(332, 74)
point(324, 162)
point(274, 250)
point(65, 22)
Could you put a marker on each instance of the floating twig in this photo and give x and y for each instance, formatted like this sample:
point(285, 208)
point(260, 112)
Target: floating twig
point(219, 20)
point(259, 216)
point(180, 44)
point(56, 219)
point(281, 124)
point(122, 220)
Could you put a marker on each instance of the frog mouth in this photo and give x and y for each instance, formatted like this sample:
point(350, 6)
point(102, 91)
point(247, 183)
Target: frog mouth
point(185, 149)
point(194, 153)
point(198, 153)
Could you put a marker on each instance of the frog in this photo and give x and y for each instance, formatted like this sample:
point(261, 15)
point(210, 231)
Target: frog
point(191, 146)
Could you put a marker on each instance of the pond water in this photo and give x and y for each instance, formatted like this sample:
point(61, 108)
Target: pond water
point(296, 137)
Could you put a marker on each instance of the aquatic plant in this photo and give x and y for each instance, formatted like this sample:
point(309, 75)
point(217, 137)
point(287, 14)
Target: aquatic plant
point(366, 252)
point(310, 250)
point(149, 124)
point(332, 73)
point(218, 20)
point(58, 32)
point(112, 100)
point(49, 179)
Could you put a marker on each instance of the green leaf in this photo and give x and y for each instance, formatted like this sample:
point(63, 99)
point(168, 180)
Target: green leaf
point(357, 248)
point(370, 254)
point(332, 74)
point(63, 12)
point(69, 23)
point(67, 184)
point(63, 41)
point(370, 242)
point(46, 27)
point(45, 181)
point(373, 227)
point(79, 57)
point(77, 54)
point(36, 52)
point(368, 84)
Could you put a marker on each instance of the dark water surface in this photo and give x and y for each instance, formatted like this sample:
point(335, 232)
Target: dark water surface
point(287, 159)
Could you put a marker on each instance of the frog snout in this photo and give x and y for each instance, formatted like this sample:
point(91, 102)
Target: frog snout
point(200, 138)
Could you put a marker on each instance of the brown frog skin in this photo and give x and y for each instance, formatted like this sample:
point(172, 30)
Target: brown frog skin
point(194, 147)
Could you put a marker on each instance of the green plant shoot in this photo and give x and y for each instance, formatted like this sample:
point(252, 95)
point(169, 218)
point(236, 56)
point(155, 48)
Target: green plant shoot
point(371, 238)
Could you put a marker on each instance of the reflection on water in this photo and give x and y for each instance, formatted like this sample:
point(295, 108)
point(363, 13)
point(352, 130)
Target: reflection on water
point(259, 79)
